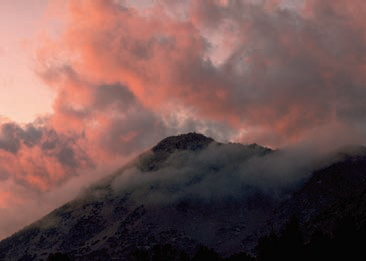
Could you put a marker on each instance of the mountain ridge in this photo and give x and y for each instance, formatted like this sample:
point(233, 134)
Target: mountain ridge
point(186, 191)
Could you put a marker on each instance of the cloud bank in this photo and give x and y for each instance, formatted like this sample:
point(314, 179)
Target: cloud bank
point(272, 72)
point(217, 173)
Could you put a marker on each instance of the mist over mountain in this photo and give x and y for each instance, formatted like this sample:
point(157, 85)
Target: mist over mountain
point(190, 190)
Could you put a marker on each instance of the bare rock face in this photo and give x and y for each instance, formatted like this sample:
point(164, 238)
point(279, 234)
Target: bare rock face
point(190, 141)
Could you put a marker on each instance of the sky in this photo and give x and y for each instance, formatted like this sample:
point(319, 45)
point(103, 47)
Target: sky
point(22, 95)
point(87, 85)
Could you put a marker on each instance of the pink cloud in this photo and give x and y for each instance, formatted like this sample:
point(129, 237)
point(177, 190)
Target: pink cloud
point(279, 60)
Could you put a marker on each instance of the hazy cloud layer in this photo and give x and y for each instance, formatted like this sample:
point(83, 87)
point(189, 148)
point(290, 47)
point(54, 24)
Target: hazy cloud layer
point(222, 172)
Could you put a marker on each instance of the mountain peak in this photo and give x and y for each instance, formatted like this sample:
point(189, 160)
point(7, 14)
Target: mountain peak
point(189, 141)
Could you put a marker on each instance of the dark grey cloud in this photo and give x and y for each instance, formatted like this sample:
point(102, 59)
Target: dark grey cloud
point(12, 136)
point(17, 143)
point(8, 139)
point(114, 95)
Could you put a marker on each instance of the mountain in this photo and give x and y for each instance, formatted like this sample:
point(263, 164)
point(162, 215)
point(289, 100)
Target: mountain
point(341, 183)
point(187, 191)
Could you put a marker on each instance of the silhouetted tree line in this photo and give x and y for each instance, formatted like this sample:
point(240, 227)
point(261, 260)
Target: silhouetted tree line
point(346, 242)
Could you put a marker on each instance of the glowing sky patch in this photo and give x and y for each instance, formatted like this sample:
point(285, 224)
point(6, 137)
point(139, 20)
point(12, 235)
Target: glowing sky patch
point(23, 96)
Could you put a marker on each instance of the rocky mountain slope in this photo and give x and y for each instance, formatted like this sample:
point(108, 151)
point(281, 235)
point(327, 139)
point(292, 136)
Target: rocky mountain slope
point(186, 191)
point(330, 193)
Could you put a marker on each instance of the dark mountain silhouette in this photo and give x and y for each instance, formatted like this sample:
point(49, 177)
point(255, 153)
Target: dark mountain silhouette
point(330, 193)
point(190, 197)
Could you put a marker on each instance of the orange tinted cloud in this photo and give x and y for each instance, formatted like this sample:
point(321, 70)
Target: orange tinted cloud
point(285, 73)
